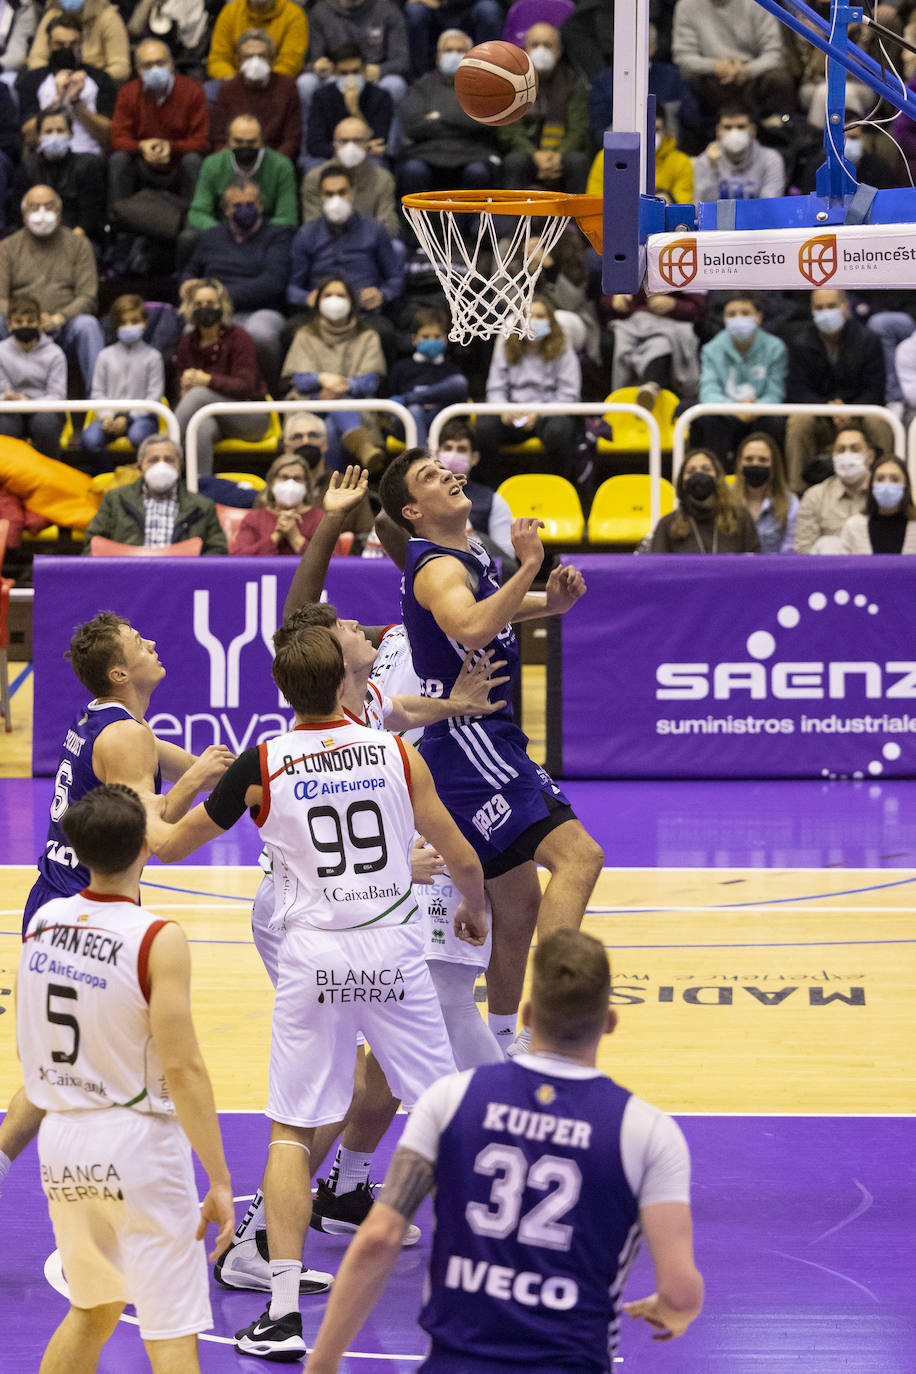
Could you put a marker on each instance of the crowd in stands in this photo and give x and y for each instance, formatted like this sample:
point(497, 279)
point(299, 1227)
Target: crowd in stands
point(200, 203)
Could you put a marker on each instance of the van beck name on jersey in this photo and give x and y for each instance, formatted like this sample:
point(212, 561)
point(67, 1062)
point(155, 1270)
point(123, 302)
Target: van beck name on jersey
point(91, 944)
point(519, 1121)
point(342, 760)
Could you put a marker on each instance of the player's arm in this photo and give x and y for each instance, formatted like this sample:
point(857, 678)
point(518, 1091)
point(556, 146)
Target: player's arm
point(186, 1075)
point(345, 492)
point(237, 790)
point(470, 696)
point(434, 822)
point(189, 773)
point(564, 587)
point(678, 1298)
point(441, 587)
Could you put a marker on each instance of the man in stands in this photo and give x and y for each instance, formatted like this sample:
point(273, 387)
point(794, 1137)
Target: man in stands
point(257, 89)
point(158, 508)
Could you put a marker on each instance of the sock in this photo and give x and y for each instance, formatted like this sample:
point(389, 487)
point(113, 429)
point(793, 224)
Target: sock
point(351, 1168)
point(253, 1220)
point(284, 1287)
point(5, 1164)
point(503, 1027)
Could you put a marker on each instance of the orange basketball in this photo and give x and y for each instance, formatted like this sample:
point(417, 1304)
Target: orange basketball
point(496, 83)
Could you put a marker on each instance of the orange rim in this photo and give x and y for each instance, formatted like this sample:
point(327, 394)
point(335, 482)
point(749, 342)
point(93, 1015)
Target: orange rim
point(493, 202)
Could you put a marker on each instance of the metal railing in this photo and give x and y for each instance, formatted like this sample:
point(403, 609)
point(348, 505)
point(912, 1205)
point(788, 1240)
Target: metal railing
point(911, 446)
point(682, 422)
point(83, 407)
point(467, 408)
point(283, 408)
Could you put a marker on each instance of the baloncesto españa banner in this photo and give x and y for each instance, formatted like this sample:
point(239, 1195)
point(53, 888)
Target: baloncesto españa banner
point(736, 666)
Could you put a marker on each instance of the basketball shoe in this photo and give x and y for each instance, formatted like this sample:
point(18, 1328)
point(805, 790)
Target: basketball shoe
point(246, 1264)
point(341, 1214)
point(278, 1339)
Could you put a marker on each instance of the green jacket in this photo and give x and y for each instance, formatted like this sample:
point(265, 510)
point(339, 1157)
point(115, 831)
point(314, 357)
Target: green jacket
point(275, 179)
point(558, 119)
point(121, 517)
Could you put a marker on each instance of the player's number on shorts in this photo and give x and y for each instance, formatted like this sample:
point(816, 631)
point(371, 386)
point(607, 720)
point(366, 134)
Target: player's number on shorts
point(63, 1018)
point(328, 838)
point(62, 784)
point(508, 1167)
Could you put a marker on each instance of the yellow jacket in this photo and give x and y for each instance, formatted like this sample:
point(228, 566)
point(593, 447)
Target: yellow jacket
point(673, 173)
point(286, 23)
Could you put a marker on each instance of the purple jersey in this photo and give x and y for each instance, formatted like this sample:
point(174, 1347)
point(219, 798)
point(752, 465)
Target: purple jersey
point(536, 1225)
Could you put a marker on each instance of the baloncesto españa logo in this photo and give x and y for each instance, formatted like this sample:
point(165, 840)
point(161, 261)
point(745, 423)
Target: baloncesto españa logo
point(817, 259)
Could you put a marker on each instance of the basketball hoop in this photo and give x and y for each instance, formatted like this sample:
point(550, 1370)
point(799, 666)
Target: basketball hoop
point(493, 299)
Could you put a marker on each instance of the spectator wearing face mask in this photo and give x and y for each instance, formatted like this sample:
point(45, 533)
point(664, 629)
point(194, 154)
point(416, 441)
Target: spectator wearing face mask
point(347, 92)
point(444, 147)
point(260, 91)
point(57, 267)
point(103, 40)
point(283, 20)
point(66, 79)
point(548, 147)
point(707, 518)
point(160, 130)
point(673, 169)
point(305, 436)
point(761, 487)
point(373, 184)
point(32, 368)
point(427, 20)
point(158, 508)
point(78, 178)
point(490, 517)
point(428, 380)
point(245, 156)
point(825, 508)
point(833, 360)
point(377, 29)
point(732, 47)
point(741, 364)
point(888, 523)
point(284, 516)
point(130, 369)
point(735, 166)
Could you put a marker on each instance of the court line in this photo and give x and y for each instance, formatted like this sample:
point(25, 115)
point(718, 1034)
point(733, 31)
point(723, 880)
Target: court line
point(192, 892)
point(770, 944)
point(18, 681)
point(763, 908)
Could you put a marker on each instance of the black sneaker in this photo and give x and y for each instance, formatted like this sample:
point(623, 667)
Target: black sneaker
point(279, 1340)
point(342, 1214)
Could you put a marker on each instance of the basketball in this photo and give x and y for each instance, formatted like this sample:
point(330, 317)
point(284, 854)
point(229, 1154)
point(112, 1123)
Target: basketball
point(496, 83)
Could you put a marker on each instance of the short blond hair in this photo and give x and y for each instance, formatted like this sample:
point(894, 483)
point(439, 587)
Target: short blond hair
point(198, 284)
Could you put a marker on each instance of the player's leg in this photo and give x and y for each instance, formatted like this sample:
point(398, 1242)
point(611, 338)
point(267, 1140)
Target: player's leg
point(20, 1125)
point(574, 861)
point(472, 1042)
point(515, 897)
point(177, 1356)
point(77, 1343)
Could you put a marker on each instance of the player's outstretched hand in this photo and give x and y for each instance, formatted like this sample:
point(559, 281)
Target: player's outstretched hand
point(217, 1207)
point(647, 1309)
point(471, 926)
point(526, 539)
point(425, 863)
point(474, 684)
point(211, 765)
point(346, 490)
point(564, 587)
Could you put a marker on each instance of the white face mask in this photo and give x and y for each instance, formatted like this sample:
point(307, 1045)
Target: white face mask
point(735, 141)
point(350, 154)
point(42, 222)
point(888, 493)
point(160, 477)
point(255, 69)
point(658, 141)
point(289, 491)
point(334, 307)
point(449, 62)
point(849, 467)
point(543, 58)
point(337, 209)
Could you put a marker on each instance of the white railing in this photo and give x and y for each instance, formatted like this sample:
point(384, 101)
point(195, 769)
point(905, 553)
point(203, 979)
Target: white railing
point(303, 403)
point(82, 407)
point(468, 408)
point(682, 422)
point(911, 446)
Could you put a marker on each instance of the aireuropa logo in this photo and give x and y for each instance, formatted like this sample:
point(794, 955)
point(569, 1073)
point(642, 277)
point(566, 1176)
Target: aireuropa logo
point(678, 263)
point(260, 617)
point(817, 259)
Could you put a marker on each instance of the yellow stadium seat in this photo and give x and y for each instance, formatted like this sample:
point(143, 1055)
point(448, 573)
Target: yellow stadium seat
point(244, 479)
point(265, 447)
point(549, 498)
point(631, 435)
point(527, 448)
point(48, 535)
point(620, 510)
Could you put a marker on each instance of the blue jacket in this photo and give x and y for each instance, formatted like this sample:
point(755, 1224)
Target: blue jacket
point(360, 252)
point(254, 271)
point(724, 371)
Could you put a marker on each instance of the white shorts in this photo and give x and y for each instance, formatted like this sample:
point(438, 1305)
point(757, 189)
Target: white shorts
point(334, 984)
point(267, 942)
point(124, 1207)
point(438, 903)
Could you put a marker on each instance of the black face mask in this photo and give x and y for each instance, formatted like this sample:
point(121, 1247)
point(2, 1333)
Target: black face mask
point(817, 470)
point(756, 475)
point(246, 157)
point(26, 333)
point(63, 59)
point(699, 485)
point(205, 316)
point(309, 453)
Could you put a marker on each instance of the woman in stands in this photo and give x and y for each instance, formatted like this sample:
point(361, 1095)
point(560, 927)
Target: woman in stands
point(216, 361)
point(282, 519)
point(761, 488)
point(337, 355)
point(707, 518)
point(889, 522)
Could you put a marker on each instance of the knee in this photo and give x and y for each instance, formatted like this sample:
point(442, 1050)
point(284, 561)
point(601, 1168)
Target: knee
point(191, 163)
point(87, 327)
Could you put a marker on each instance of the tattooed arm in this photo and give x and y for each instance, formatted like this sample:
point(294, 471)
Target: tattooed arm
point(370, 1258)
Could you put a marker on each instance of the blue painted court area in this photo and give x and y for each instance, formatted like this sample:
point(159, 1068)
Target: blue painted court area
point(804, 1234)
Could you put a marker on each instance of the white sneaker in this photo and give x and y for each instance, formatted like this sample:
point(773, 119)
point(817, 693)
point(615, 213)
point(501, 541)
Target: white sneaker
point(246, 1264)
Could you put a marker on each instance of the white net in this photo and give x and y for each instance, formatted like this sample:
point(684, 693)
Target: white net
point(488, 281)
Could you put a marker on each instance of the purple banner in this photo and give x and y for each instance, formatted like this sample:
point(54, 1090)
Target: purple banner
point(213, 620)
point(741, 667)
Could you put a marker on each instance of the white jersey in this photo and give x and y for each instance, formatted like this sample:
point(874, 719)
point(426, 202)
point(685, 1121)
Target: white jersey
point(392, 675)
point(337, 820)
point(82, 1015)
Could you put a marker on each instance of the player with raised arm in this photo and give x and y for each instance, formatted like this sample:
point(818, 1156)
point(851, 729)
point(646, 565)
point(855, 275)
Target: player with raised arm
point(546, 1174)
point(110, 1057)
point(108, 742)
point(506, 806)
point(337, 805)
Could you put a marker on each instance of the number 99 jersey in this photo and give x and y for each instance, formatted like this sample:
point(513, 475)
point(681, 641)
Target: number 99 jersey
point(337, 820)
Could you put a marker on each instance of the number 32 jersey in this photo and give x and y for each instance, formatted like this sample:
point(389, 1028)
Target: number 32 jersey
point(337, 819)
